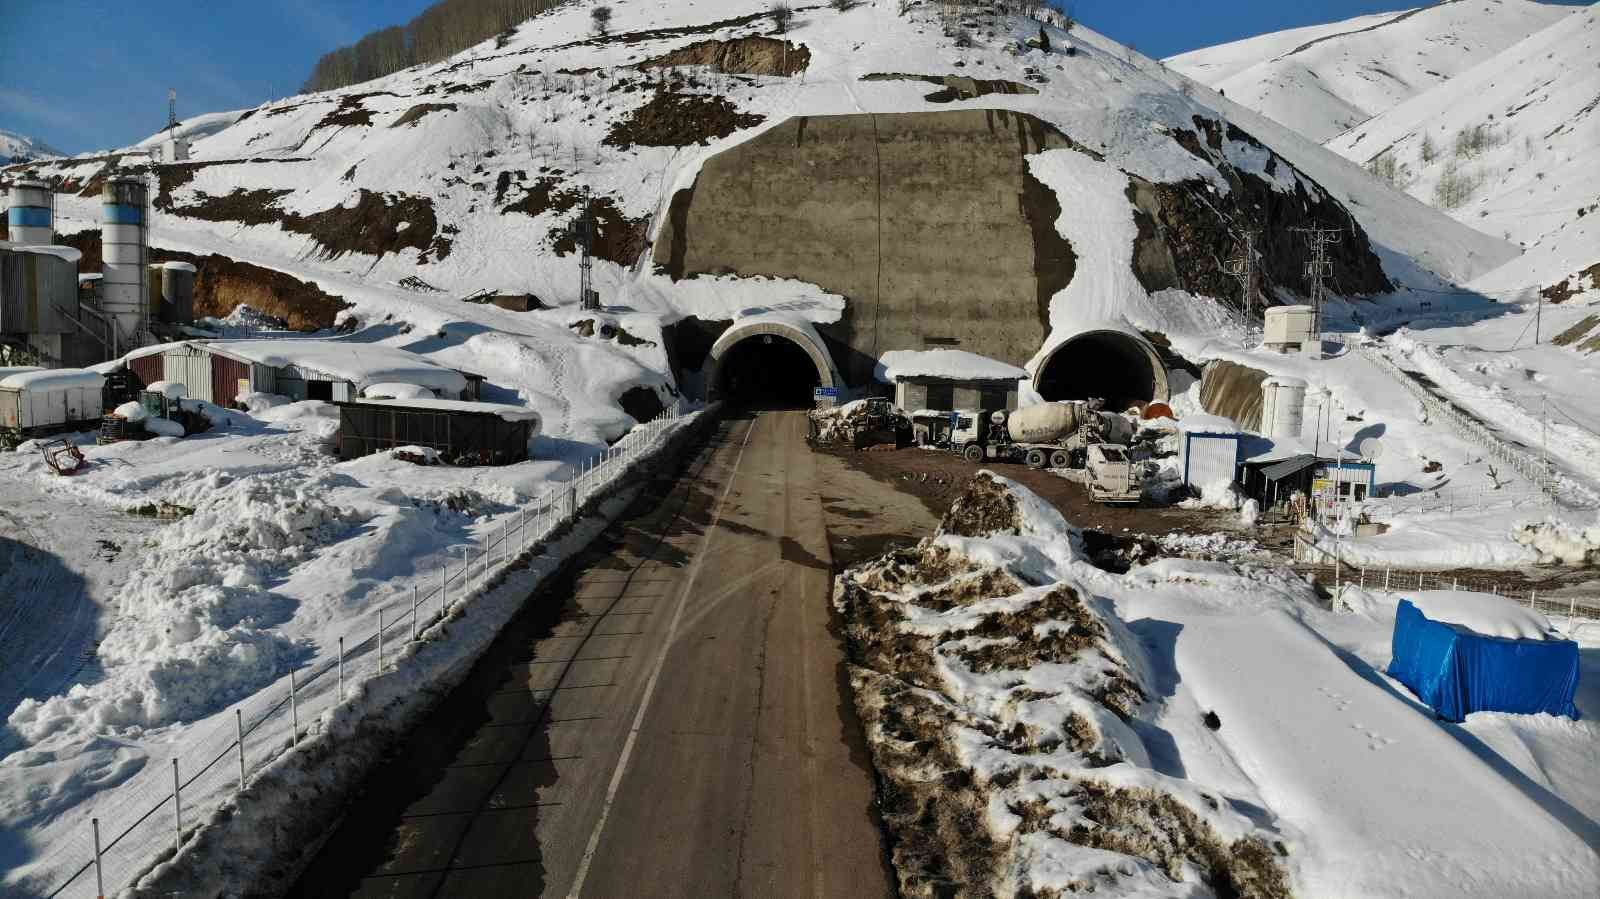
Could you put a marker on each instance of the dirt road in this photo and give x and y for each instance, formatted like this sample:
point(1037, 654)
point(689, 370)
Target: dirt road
point(670, 720)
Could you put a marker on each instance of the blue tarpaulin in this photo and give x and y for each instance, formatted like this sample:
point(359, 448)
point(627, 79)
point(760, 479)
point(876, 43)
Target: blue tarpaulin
point(1457, 671)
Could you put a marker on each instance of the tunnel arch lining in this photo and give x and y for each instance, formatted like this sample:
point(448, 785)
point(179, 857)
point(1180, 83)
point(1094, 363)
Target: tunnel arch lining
point(739, 332)
point(1128, 346)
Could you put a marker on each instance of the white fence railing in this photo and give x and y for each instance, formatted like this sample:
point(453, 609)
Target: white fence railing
point(1390, 580)
point(132, 827)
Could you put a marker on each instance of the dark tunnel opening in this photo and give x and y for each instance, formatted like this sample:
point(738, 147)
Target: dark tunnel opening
point(1103, 364)
point(768, 372)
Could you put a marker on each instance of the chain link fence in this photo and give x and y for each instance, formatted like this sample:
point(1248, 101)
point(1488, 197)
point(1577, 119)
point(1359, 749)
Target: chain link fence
point(151, 816)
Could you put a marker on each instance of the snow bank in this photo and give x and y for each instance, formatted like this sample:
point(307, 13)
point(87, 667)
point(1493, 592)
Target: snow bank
point(1557, 541)
point(163, 427)
point(54, 379)
point(171, 389)
point(131, 411)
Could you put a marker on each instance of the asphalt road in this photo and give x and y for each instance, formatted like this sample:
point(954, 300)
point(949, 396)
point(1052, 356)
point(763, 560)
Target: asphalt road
point(670, 719)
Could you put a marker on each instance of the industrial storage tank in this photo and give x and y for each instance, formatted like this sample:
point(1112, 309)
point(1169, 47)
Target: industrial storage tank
point(124, 209)
point(1283, 402)
point(177, 292)
point(30, 214)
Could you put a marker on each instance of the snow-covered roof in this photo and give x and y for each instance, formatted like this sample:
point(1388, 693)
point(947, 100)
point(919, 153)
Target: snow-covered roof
point(8, 371)
point(1285, 381)
point(68, 254)
point(359, 363)
point(53, 379)
point(396, 392)
point(90, 276)
point(509, 413)
point(955, 365)
point(1287, 310)
point(1483, 613)
point(179, 267)
point(172, 389)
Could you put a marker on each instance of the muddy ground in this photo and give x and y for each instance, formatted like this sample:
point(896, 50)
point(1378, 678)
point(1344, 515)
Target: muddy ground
point(937, 478)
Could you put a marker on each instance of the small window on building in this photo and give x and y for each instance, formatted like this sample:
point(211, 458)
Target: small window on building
point(1361, 492)
point(1344, 489)
point(319, 390)
point(941, 396)
point(993, 399)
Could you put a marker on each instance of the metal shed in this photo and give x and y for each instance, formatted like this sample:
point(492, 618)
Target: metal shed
point(1208, 457)
point(463, 433)
point(38, 289)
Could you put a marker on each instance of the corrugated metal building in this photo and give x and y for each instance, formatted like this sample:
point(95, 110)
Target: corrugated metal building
point(221, 371)
point(463, 433)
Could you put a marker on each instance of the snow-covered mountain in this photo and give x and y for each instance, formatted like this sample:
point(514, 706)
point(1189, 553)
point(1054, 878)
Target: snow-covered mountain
point(1511, 146)
point(21, 148)
point(1326, 79)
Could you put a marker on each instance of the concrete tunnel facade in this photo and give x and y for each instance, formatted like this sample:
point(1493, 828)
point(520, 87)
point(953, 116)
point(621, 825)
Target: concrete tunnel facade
point(930, 224)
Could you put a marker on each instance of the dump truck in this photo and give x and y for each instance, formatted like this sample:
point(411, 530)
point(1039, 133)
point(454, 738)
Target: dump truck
point(1049, 435)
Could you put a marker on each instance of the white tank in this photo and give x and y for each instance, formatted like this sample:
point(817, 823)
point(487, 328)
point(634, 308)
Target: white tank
point(1283, 402)
point(1047, 422)
point(123, 242)
point(30, 214)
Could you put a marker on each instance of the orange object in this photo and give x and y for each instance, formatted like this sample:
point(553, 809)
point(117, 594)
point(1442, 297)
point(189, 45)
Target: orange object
point(1158, 410)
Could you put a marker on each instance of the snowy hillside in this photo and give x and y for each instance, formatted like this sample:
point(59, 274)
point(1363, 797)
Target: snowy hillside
point(1325, 79)
point(20, 148)
point(1511, 146)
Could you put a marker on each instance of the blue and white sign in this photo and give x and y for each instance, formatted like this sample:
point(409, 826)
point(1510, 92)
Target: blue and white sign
point(831, 393)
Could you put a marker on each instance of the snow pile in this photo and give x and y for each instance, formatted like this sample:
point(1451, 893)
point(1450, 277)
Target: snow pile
point(1004, 710)
point(1221, 494)
point(359, 363)
point(1483, 613)
point(1559, 542)
point(1250, 513)
point(131, 411)
point(196, 617)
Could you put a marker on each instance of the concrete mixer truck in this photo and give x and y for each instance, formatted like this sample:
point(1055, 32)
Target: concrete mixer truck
point(1049, 435)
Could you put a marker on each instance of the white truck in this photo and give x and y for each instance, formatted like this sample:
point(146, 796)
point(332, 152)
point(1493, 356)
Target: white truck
point(1110, 474)
point(1049, 435)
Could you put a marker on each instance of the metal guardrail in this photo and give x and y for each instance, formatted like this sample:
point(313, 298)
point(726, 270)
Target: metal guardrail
point(265, 728)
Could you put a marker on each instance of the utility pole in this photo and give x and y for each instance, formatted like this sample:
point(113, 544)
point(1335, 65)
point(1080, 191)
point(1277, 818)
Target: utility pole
point(1319, 267)
point(588, 300)
point(172, 110)
point(1538, 317)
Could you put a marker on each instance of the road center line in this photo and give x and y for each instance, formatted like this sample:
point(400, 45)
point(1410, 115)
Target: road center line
point(655, 674)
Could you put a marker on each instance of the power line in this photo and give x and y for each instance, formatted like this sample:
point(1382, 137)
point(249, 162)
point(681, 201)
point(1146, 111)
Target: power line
point(1243, 269)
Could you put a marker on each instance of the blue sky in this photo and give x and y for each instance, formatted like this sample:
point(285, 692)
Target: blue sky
point(83, 75)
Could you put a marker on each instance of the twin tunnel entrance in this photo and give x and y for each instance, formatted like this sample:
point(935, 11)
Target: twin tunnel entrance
point(778, 365)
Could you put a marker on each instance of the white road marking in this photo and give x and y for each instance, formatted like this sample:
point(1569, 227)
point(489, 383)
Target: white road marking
point(655, 675)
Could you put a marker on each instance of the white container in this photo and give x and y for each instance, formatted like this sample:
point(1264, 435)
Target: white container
point(50, 398)
point(1287, 326)
point(30, 213)
point(1283, 402)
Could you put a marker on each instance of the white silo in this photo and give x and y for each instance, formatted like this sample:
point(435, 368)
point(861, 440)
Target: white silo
point(1283, 402)
point(30, 214)
point(125, 250)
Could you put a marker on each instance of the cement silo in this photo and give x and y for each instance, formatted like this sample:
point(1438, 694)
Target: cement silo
point(1283, 402)
point(124, 213)
point(177, 293)
point(30, 214)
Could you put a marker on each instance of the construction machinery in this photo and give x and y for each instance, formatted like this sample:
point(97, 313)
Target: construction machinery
point(1049, 435)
